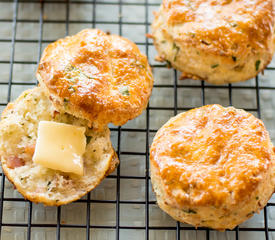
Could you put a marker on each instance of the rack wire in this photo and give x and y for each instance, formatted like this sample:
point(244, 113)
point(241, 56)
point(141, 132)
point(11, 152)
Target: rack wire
point(176, 86)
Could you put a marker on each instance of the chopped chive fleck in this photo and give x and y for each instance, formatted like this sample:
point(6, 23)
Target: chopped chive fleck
point(66, 100)
point(25, 95)
point(168, 64)
point(49, 182)
point(124, 91)
point(233, 24)
point(190, 211)
point(88, 139)
point(69, 67)
point(177, 51)
point(29, 137)
point(71, 89)
point(234, 58)
point(257, 64)
point(204, 42)
point(257, 198)
point(249, 214)
point(214, 65)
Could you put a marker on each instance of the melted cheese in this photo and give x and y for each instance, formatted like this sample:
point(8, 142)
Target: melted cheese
point(60, 146)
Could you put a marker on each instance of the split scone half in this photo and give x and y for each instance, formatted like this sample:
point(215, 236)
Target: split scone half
point(18, 137)
point(95, 76)
point(217, 41)
point(213, 167)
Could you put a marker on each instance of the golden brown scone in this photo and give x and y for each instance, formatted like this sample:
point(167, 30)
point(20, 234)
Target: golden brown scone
point(99, 77)
point(213, 167)
point(218, 41)
point(18, 134)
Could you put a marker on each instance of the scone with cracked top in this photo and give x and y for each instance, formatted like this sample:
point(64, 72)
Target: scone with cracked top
point(18, 138)
point(218, 41)
point(213, 167)
point(98, 77)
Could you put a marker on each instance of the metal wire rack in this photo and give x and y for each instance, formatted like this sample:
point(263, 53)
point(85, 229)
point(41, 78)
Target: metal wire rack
point(86, 227)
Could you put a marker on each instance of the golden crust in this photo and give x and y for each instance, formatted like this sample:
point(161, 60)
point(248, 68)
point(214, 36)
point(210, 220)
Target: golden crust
point(214, 158)
point(228, 33)
point(90, 182)
point(220, 25)
point(99, 77)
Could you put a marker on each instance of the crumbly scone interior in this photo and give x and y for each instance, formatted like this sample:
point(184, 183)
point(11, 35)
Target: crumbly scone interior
point(17, 139)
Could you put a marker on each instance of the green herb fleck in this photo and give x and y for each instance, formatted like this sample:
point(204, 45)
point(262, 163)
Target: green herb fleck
point(214, 65)
point(234, 58)
point(124, 91)
point(257, 64)
point(190, 211)
point(66, 100)
point(69, 68)
point(73, 73)
point(71, 89)
point(49, 183)
point(250, 214)
point(25, 95)
point(163, 41)
point(204, 42)
point(176, 48)
point(257, 198)
point(88, 139)
point(29, 137)
point(192, 35)
point(168, 64)
point(233, 24)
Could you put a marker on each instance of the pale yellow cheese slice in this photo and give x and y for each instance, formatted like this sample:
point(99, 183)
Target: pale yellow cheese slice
point(60, 146)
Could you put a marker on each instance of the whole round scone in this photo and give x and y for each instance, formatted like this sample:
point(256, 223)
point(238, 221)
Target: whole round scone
point(18, 134)
point(99, 77)
point(218, 41)
point(213, 167)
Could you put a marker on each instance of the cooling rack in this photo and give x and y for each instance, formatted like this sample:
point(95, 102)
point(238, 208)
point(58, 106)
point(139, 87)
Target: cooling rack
point(123, 206)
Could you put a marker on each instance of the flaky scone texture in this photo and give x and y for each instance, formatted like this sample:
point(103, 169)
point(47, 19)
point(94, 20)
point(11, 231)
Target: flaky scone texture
point(213, 167)
point(217, 41)
point(18, 134)
point(98, 77)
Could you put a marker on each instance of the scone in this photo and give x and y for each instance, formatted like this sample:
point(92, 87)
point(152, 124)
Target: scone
point(212, 167)
point(217, 41)
point(18, 136)
point(99, 77)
